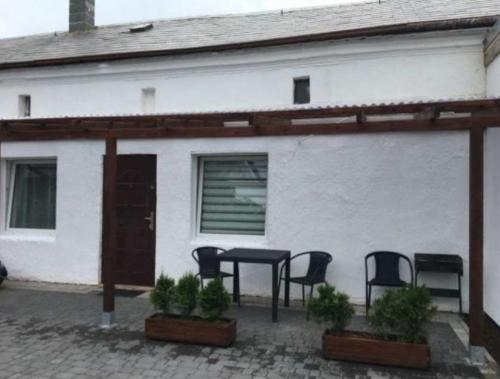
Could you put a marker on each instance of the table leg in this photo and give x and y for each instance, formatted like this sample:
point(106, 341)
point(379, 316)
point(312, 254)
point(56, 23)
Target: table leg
point(236, 283)
point(275, 292)
point(287, 282)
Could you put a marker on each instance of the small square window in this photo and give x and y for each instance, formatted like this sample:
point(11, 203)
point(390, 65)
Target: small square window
point(232, 195)
point(301, 91)
point(24, 106)
point(32, 195)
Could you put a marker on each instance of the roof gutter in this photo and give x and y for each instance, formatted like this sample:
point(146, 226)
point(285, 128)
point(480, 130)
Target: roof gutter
point(415, 27)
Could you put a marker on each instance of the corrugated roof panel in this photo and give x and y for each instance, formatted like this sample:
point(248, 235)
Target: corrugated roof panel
point(306, 107)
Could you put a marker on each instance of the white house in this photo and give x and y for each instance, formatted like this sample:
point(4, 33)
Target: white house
point(345, 194)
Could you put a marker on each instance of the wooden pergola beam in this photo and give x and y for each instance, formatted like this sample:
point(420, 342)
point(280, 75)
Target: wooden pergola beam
point(463, 106)
point(465, 114)
point(12, 131)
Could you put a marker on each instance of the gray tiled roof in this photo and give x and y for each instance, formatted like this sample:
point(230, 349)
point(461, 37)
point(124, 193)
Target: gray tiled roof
point(175, 34)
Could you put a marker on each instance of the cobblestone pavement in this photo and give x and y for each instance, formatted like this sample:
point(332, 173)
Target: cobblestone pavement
point(46, 334)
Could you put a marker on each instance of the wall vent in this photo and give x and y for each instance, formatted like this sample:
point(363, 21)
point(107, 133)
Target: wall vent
point(140, 28)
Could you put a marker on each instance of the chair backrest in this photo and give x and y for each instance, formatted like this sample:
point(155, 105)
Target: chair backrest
point(206, 257)
point(387, 266)
point(318, 263)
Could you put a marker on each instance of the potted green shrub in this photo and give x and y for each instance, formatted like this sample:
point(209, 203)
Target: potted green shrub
point(182, 326)
point(398, 319)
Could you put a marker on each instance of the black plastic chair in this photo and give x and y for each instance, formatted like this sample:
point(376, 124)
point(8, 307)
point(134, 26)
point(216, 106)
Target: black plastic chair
point(387, 272)
point(208, 263)
point(316, 272)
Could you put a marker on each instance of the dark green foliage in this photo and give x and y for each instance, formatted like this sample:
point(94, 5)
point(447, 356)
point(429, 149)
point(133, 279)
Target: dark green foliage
point(162, 296)
point(186, 293)
point(214, 300)
point(403, 313)
point(333, 307)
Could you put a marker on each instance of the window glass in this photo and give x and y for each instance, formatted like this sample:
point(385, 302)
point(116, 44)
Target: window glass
point(302, 93)
point(34, 196)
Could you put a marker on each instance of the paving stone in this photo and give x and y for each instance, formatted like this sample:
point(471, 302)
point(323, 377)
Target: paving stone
point(47, 334)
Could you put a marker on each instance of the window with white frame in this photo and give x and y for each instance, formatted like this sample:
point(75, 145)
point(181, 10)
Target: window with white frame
point(32, 194)
point(232, 195)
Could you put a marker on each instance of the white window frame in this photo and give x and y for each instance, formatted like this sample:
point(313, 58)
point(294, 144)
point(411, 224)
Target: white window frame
point(11, 177)
point(200, 161)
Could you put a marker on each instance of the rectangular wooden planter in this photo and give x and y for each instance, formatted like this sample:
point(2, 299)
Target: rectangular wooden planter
point(195, 330)
point(364, 348)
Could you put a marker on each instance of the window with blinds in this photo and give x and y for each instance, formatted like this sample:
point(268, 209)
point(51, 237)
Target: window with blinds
point(233, 193)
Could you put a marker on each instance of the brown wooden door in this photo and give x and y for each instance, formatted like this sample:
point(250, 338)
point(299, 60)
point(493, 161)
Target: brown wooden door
point(136, 222)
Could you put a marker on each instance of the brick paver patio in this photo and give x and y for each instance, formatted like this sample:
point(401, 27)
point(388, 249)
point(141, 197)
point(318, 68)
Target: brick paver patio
point(49, 334)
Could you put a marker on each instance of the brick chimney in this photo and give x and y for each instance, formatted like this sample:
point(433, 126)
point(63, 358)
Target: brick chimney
point(81, 15)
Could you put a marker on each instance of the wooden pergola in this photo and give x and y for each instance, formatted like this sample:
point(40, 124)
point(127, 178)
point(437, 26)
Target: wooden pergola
point(472, 116)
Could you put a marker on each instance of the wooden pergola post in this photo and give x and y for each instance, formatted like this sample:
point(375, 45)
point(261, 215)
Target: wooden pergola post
point(476, 235)
point(109, 233)
point(1, 183)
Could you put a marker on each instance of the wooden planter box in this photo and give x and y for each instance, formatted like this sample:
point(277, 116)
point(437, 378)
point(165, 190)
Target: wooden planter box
point(195, 330)
point(362, 347)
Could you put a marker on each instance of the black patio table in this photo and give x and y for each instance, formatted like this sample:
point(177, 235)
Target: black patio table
point(260, 256)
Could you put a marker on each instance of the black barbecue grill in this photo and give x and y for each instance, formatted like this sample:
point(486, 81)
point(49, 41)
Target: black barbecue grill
point(441, 263)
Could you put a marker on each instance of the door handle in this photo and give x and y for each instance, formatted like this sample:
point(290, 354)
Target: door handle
point(151, 220)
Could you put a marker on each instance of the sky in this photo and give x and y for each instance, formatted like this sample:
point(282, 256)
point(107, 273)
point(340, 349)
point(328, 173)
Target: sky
point(25, 17)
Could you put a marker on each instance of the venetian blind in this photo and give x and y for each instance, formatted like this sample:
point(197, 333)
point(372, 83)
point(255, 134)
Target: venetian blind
point(234, 192)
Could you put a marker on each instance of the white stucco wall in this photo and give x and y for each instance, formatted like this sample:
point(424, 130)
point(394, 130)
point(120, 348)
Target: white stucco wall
point(493, 78)
point(345, 194)
point(70, 254)
point(429, 66)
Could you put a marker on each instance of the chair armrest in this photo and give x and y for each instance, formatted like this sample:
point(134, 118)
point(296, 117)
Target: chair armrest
point(193, 254)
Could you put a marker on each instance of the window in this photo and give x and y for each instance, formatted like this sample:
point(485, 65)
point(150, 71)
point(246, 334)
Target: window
point(148, 100)
point(301, 91)
point(232, 195)
point(24, 106)
point(32, 195)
